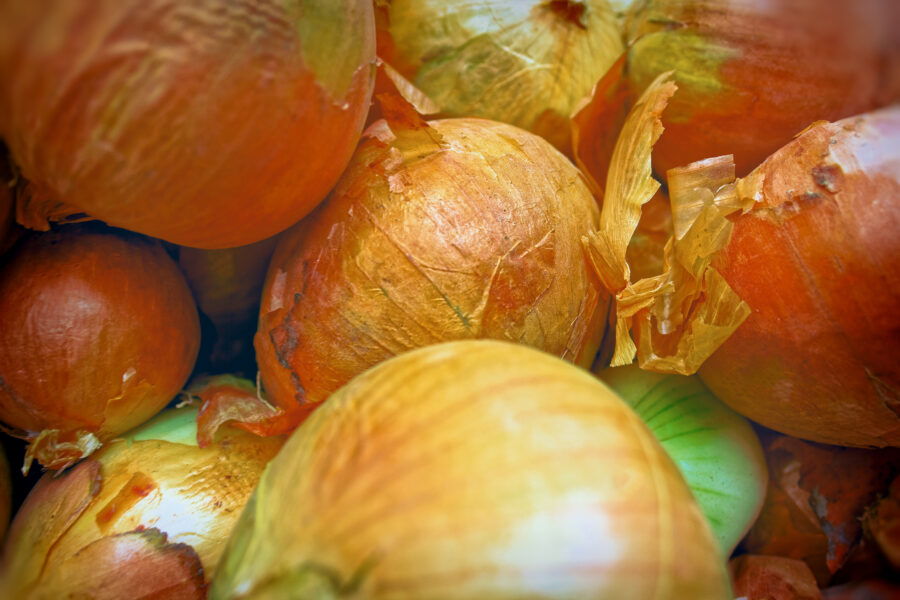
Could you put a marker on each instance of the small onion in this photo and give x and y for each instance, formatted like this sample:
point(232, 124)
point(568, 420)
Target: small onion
point(715, 448)
point(817, 259)
point(527, 63)
point(208, 123)
point(99, 333)
point(149, 513)
point(472, 469)
point(455, 229)
point(752, 74)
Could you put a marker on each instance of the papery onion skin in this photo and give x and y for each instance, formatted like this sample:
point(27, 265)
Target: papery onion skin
point(752, 74)
point(154, 478)
point(472, 469)
point(818, 262)
point(208, 123)
point(99, 333)
point(715, 448)
point(527, 63)
point(464, 229)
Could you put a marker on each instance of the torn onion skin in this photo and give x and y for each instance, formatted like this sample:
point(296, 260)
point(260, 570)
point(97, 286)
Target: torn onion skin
point(454, 229)
point(817, 259)
point(209, 123)
point(472, 469)
point(100, 331)
point(151, 508)
point(752, 74)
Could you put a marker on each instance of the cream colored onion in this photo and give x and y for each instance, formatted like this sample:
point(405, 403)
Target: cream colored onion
point(151, 510)
point(473, 469)
point(527, 63)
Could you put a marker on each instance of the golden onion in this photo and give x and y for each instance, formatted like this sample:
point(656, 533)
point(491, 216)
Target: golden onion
point(472, 469)
point(455, 229)
point(527, 63)
point(149, 513)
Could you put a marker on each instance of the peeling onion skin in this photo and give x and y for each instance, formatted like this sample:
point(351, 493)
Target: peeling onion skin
point(153, 486)
point(477, 236)
point(752, 74)
point(207, 123)
point(472, 469)
point(527, 63)
point(100, 331)
point(818, 261)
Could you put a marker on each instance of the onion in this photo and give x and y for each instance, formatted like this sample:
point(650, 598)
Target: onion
point(99, 333)
point(817, 259)
point(527, 63)
point(208, 123)
point(752, 74)
point(472, 469)
point(715, 448)
point(149, 513)
point(456, 229)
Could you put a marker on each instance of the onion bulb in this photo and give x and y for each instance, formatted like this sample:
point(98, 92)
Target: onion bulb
point(752, 74)
point(527, 63)
point(715, 448)
point(472, 469)
point(817, 259)
point(148, 514)
point(455, 229)
point(209, 123)
point(99, 333)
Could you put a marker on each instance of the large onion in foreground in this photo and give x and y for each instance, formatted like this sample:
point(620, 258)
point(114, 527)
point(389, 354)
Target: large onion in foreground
point(752, 74)
point(817, 259)
point(455, 229)
point(146, 517)
point(473, 469)
point(208, 123)
point(527, 63)
point(100, 331)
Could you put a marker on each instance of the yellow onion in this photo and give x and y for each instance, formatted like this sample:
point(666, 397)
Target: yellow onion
point(816, 256)
point(752, 74)
point(99, 333)
point(210, 123)
point(472, 469)
point(455, 229)
point(148, 514)
point(527, 63)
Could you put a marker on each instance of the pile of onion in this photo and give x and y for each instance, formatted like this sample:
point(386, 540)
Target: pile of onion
point(100, 332)
point(472, 469)
point(752, 74)
point(527, 63)
point(146, 516)
point(816, 257)
point(207, 123)
point(454, 229)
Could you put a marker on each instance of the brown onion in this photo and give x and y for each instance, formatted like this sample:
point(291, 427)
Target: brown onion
point(99, 332)
point(752, 74)
point(458, 229)
point(473, 469)
point(149, 513)
point(527, 63)
point(207, 123)
point(817, 259)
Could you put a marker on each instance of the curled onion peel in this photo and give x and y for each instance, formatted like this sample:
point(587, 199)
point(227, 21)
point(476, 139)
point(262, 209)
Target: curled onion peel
point(817, 258)
point(451, 229)
point(527, 63)
point(752, 74)
point(206, 123)
point(472, 469)
point(715, 448)
point(149, 513)
point(99, 333)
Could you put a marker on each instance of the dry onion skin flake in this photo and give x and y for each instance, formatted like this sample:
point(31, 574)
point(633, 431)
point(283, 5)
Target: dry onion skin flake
point(472, 469)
